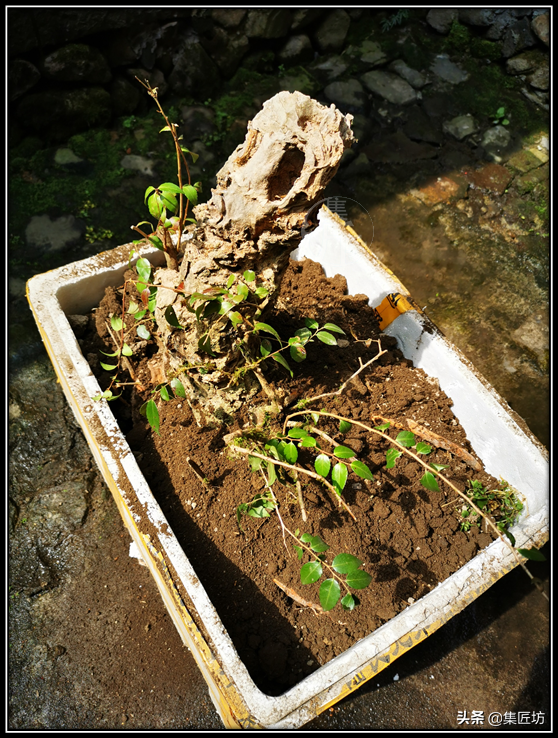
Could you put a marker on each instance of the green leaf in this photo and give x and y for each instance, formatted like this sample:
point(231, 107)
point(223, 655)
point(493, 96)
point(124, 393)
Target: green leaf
point(510, 536)
point(116, 323)
point(193, 154)
point(423, 448)
point(191, 193)
point(297, 433)
point(310, 572)
point(312, 324)
point(382, 427)
point(358, 579)
point(272, 472)
point(170, 187)
point(392, 455)
point(265, 347)
point(126, 350)
point(152, 415)
point(429, 481)
point(298, 353)
point(339, 477)
point(178, 387)
point(342, 452)
point(236, 318)
point(142, 332)
point(133, 307)
point(164, 394)
point(281, 360)
point(406, 438)
point(139, 316)
point(322, 465)
point(348, 602)
point(439, 467)
point(326, 337)
point(249, 275)
point(243, 291)
point(345, 426)
point(303, 334)
point(156, 241)
point(334, 328)
point(114, 353)
point(266, 329)
point(143, 267)
point(531, 553)
point(230, 281)
point(204, 344)
point(317, 544)
point(255, 463)
point(299, 552)
point(361, 470)
point(170, 317)
point(108, 367)
point(261, 292)
point(290, 453)
point(330, 591)
point(344, 563)
point(308, 442)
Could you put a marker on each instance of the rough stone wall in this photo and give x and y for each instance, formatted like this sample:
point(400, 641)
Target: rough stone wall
point(73, 69)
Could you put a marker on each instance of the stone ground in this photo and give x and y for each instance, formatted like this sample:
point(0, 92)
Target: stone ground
point(465, 233)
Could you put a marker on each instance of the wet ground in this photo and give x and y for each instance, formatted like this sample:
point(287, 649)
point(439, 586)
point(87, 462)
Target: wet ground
point(90, 643)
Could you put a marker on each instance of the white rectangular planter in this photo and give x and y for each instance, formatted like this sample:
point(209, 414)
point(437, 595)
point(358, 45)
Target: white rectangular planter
point(497, 435)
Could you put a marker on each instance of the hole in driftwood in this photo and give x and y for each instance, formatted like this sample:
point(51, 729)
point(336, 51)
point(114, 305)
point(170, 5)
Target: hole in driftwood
point(287, 172)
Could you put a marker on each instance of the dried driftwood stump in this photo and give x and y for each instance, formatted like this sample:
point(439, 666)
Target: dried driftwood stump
point(252, 221)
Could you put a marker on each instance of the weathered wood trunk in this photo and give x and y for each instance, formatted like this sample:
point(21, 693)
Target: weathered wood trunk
point(252, 222)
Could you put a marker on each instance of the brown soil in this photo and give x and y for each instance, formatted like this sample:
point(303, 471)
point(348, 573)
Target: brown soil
point(407, 537)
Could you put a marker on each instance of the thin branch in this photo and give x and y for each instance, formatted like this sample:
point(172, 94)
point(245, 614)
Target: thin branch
point(442, 477)
point(309, 473)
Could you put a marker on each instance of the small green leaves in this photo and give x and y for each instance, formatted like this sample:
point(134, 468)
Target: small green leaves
point(191, 193)
point(178, 387)
point(108, 367)
point(330, 591)
point(280, 360)
point(361, 470)
point(532, 554)
point(344, 563)
point(322, 465)
point(315, 542)
point(170, 317)
point(339, 477)
point(358, 579)
point(344, 426)
point(406, 438)
point(267, 329)
point(423, 448)
point(342, 452)
point(310, 572)
point(249, 275)
point(334, 328)
point(392, 454)
point(142, 332)
point(149, 409)
point(143, 268)
point(429, 481)
point(327, 338)
point(116, 323)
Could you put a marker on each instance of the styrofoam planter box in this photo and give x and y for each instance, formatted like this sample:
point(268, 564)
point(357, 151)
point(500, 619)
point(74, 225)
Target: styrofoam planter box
point(497, 435)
